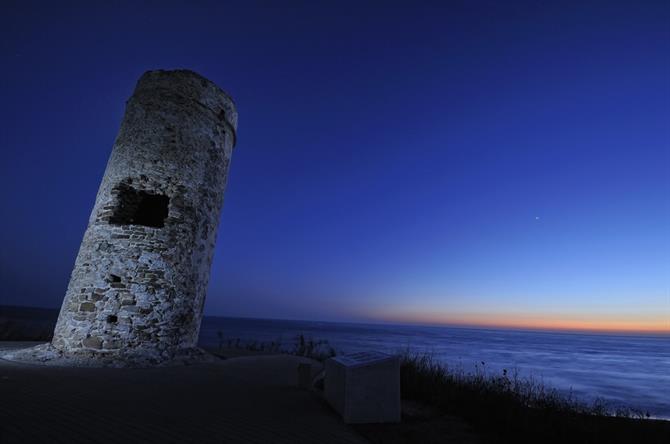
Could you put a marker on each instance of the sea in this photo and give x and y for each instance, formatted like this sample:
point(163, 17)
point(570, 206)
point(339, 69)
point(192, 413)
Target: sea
point(620, 370)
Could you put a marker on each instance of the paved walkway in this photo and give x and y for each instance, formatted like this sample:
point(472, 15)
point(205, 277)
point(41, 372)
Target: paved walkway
point(241, 400)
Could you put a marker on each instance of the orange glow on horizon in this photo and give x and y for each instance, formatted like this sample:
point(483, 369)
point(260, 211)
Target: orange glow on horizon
point(645, 324)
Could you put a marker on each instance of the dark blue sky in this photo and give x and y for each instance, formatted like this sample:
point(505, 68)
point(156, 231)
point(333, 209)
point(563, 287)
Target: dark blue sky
point(475, 161)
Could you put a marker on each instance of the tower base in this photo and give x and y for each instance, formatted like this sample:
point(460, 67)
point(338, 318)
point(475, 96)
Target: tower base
point(48, 355)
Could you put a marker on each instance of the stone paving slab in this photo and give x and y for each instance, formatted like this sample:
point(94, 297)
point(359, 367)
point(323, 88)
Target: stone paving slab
point(241, 400)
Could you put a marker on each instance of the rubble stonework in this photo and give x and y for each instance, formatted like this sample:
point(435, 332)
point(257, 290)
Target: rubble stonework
point(137, 290)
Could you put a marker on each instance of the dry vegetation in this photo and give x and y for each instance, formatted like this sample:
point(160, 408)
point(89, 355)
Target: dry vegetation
point(508, 409)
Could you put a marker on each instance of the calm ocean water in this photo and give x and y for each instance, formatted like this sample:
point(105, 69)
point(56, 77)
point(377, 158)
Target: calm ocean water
point(622, 369)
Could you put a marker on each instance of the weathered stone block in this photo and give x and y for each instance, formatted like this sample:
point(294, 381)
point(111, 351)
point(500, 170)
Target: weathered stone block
point(87, 306)
point(92, 342)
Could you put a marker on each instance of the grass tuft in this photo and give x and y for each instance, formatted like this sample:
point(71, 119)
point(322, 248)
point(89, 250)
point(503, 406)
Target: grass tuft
point(508, 408)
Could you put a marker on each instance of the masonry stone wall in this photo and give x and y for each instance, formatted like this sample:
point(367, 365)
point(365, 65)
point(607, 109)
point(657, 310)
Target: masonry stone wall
point(138, 286)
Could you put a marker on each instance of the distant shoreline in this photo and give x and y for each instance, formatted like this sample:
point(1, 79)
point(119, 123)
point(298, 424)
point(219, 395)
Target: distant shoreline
point(32, 313)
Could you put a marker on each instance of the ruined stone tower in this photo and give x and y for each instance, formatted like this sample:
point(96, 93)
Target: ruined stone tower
point(138, 286)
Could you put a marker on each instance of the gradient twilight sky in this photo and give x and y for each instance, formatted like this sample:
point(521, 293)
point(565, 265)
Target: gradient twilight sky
point(467, 162)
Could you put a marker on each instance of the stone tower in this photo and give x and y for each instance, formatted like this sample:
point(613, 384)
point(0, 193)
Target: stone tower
point(137, 290)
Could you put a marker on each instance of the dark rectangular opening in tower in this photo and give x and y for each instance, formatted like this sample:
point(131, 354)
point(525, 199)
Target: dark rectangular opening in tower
point(136, 207)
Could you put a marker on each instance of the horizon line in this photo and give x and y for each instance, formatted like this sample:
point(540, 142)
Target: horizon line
point(651, 331)
point(483, 326)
